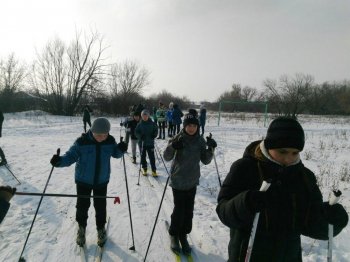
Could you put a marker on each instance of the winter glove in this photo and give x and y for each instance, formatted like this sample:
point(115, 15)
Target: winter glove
point(6, 193)
point(55, 160)
point(123, 146)
point(177, 144)
point(211, 143)
point(256, 200)
point(336, 214)
point(121, 123)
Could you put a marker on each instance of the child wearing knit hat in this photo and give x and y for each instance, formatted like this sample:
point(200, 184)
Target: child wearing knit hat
point(292, 205)
point(187, 149)
point(92, 153)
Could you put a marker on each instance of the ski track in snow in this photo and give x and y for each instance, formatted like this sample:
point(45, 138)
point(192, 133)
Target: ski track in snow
point(31, 138)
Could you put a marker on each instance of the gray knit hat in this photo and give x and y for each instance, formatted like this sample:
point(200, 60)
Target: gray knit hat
point(101, 125)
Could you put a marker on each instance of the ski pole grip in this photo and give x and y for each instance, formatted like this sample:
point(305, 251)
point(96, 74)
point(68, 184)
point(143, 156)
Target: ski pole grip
point(265, 185)
point(121, 139)
point(58, 151)
point(334, 197)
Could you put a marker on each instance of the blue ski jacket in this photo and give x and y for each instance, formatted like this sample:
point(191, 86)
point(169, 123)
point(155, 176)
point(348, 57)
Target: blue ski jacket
point(92, 159)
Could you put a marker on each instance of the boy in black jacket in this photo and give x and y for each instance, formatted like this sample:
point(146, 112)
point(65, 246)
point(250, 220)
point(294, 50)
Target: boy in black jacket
point(292, 205)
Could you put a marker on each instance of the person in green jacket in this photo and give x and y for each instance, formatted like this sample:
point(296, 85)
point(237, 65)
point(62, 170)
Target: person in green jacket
point(291, 206)
point(146, 131)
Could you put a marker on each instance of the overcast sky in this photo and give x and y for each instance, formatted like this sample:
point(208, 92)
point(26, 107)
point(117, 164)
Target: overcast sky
point(195, 48)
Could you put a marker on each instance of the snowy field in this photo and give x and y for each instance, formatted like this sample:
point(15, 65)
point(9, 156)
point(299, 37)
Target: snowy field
point(31, 138)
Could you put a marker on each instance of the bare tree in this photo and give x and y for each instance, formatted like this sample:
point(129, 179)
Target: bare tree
point(128, 78)
point(85, 69)
point(63, 75)
point(248, 93)
point(290, 94)
point(49, 75)
point(12, 76)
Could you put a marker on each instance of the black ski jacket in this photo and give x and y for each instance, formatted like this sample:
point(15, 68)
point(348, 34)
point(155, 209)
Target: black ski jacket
point(296, 209)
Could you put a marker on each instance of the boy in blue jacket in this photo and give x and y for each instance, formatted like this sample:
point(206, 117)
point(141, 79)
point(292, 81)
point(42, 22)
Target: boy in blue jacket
point(92, 153)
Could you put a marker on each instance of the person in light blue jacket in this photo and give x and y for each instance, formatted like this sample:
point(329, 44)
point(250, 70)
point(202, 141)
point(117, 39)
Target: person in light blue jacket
point(92, 153)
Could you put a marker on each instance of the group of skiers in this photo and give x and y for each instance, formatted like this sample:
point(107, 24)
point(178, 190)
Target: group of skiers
point(292, 206)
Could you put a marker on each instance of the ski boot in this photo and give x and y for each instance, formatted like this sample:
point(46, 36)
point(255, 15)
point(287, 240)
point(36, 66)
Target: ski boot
point(81, 236)
point(144, 171)
point(101, 236)
point(186, 249)
point(154, 174)
point(174, 244)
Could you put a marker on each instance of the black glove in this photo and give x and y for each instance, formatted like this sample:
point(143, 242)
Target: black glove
point(55, 160)
point(336, 214)
point(6, 193)
point(178, 144)
point(256, 200)
point(121, 123)
point(123, 147)
point(211, 143)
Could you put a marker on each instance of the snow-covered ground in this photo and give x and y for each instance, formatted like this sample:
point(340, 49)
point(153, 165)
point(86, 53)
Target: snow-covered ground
point(31, 138)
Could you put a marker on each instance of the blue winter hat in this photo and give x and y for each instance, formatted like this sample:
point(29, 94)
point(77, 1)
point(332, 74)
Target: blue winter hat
point(101, 125)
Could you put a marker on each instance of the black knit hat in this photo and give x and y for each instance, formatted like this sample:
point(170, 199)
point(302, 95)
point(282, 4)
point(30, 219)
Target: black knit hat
point(190, 119)
point(285, 132)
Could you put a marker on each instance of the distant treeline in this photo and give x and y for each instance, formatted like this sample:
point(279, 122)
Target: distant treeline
point(64, 78)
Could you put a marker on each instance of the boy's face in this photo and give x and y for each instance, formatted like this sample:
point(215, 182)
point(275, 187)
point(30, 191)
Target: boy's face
point(191, 129)
point(137, 117)
point(285, 156)
point(145, 117)
point(100, 137)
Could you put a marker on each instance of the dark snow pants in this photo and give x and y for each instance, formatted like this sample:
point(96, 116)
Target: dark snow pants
point(161, 132)
point(152, 160)
point(83, 205)
point(181, 218)
point(86, 122)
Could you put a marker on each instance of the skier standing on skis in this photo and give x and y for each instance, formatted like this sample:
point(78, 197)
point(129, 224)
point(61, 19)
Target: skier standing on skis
point(161, 118)
point(292, 205)
point(187, 149)
point(86, 117)
point(131, 125)
point(202, 118)
point(146, 131)
point(92, 152)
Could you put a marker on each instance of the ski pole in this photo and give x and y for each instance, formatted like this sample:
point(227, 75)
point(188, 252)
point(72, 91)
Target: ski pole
point(116, 198)
point(127, 194)
point(333, 200)
point(12, 174)
point(265, 185)
point(216, 164)
point(138, 181)
point(21, 259)
point(160, 205)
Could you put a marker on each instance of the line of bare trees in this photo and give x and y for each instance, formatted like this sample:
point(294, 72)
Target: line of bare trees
point(65, 77)
point(290, 95)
